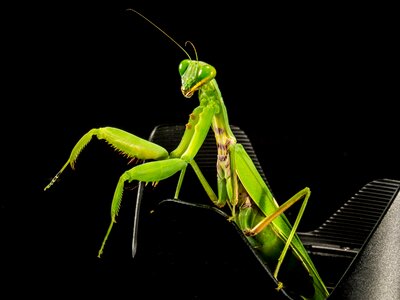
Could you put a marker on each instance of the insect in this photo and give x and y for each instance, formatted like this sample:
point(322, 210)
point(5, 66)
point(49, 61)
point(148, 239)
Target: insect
point(241, 189)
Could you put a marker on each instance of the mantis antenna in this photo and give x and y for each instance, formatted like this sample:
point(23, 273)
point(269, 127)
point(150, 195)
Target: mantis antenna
point(140, 191)
point(194, 49)
point(168, 36)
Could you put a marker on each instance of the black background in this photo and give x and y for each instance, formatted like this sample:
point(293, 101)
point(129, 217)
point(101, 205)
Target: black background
point(314, 87)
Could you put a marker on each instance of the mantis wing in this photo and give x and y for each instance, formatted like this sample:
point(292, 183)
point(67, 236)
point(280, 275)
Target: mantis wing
point(259, 192)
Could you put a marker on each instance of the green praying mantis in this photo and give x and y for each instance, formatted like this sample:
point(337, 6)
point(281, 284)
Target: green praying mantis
point(241, 189)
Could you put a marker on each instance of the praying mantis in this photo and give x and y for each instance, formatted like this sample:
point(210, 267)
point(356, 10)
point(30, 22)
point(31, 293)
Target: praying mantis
point(241, 191)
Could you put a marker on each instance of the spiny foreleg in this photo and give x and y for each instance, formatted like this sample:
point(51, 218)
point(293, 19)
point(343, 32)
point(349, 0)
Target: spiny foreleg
point(148, 172)
point(125, 142)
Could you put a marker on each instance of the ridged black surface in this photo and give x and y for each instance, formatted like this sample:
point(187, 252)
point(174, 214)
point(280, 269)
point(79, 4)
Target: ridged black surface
point(374, 272)
point(349, 227)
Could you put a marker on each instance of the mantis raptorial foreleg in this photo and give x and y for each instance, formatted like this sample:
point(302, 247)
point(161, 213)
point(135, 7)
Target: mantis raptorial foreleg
point(148, 172)
point(125, 142)
point(132, 147)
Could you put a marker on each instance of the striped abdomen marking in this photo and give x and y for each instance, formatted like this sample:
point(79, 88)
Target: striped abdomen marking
point(223, 143)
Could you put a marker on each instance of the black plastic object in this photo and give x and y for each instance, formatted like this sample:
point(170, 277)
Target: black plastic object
point(355, 250)
point(339, 239)
point(374, 272)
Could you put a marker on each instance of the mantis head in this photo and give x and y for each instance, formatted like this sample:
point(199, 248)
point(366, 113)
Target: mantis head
point(194, 74)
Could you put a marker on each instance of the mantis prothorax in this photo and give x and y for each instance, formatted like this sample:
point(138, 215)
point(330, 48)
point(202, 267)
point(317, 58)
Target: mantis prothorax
point(241, 188)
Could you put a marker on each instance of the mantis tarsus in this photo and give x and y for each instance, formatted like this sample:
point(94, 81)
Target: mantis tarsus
point(241, 189)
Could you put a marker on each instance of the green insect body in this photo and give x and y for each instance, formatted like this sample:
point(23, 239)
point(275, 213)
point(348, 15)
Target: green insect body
point(240, 187)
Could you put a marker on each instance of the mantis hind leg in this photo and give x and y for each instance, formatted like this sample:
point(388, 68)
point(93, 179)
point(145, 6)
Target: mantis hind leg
point(265, 201)
point(303, 194)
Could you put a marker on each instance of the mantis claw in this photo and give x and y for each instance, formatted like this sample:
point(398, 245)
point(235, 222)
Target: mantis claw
point(280, 286)
point(248, 232)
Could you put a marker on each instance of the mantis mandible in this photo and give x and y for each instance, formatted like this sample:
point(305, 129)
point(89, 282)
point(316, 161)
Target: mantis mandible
point(241, 189)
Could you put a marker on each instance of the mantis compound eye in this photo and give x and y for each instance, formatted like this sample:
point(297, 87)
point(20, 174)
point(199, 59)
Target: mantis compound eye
point(206, 73)
point(183, 66)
